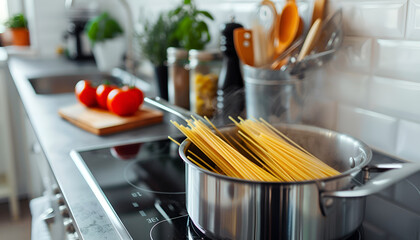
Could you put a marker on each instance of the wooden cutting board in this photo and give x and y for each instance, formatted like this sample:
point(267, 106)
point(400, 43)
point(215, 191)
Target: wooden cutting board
point(102, 122)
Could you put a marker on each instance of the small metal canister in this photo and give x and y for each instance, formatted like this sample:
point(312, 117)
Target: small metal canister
point(178, 77)
point(204, 74)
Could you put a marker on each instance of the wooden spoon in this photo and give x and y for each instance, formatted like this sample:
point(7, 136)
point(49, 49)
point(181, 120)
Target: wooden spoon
point(263, 32)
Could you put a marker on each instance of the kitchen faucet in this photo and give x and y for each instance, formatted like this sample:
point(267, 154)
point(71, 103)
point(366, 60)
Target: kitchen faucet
point(129, 58)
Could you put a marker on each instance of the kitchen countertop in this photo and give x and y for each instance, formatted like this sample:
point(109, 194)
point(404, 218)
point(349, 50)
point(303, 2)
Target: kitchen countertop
point(58, 137)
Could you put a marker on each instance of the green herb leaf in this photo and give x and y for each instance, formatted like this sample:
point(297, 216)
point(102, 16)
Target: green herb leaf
point(191, 30)
point(175, 12)
point(207, 14)
point(17, 21)
point(102, 27)
point(156, 38)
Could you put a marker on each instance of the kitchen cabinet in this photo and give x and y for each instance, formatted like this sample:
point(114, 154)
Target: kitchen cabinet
point(23, 166)
point(39, 175)
point(8, 183)
point(28, 156)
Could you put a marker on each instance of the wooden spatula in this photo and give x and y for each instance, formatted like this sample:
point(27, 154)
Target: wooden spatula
point(310, 40)
point(244, 47)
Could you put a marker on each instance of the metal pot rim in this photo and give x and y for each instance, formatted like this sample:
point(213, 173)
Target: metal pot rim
point(352, 171)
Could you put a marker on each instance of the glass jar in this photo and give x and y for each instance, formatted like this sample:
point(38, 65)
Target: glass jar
point(178, 77)
point(204, 74)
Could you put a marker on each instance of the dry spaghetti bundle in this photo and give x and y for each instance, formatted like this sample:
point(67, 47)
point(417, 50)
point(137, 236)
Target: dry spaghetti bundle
point(271, 156)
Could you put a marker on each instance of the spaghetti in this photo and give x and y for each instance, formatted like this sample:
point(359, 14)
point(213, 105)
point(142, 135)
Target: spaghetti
point(269, 155)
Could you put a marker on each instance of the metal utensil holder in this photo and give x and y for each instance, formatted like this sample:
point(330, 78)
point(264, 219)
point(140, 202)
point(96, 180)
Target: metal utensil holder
point(273, 95)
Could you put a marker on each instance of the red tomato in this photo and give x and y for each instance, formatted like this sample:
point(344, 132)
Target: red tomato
point(137, 91)
point(86, 93)
point(124, 101)
point(102, 92)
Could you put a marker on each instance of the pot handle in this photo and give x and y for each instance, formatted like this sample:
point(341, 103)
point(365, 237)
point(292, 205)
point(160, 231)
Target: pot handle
point(400, 171)
point(169, 107)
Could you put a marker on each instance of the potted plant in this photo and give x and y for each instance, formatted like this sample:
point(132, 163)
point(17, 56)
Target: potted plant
point(19, 28)
point(106, 37)
point(191, 30)
point(155, 38)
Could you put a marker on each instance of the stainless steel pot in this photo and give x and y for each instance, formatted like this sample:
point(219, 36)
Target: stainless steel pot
point(331, 208)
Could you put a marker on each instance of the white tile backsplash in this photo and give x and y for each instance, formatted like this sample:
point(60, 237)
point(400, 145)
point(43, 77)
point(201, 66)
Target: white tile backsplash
point(396, 97)
point(408, 141)
point(375, 18)
point(355, 55)
point(320, 112)
point(348, 87)
point(377, 68)
point(223, 13)
point(375, 129)
point(413, 20)
point(397, 59)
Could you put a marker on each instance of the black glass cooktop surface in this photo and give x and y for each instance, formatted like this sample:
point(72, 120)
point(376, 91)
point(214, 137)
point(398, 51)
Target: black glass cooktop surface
point(143, 183)
point(142, 189)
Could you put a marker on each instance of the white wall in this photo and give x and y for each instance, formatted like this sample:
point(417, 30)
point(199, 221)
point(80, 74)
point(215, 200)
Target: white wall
point(47, 24)
point(15, 6)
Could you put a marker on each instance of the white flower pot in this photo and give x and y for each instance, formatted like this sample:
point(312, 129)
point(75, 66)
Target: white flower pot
point(109, 53)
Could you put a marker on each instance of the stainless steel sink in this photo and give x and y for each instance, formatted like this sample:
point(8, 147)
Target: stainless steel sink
point(65, 83)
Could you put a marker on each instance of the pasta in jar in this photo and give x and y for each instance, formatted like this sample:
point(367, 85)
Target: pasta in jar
point(204, 75)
